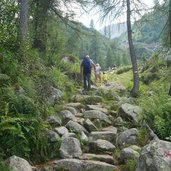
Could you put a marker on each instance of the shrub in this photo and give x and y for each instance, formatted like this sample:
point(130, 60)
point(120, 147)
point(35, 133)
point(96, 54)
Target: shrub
point(9, 65)
point(157, 114)
point(143, 137)
point(130, 165)
point(4, 80)
point(24, 136)
point(147, 78)
point(3, 167)
point(123, 69)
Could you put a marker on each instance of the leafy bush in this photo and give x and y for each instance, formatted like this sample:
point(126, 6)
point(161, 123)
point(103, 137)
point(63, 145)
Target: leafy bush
point(19, 103)
point(143, 137)
point(130, 165)
point(4, 80)
point(3, 167)
point(157, 114)
point(9, 65)
point(28, 86)
point(123, 69)
point(24, 136)
point(149, 77)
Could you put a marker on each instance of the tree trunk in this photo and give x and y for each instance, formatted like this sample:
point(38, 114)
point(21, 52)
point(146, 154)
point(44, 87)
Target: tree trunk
point(23, 27)
point(134, 91)
point(40, 24)
point(170, 34)
point(170, 22)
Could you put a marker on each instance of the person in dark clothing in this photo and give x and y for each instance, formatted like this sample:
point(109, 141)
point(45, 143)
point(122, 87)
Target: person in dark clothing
point(85, 69)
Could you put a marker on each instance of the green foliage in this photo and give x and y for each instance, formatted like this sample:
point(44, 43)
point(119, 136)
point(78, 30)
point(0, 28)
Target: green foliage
point(27, 76)
point(116, 55)
point(17, 103)
point(57, 38)
point(130, 165)
point(123, 69)
point(143, 137)
point(23, 104)
point(12, 137)
point(92, 99)
point(149, 77)
point(8, 26)
point(24, 136)
point(9, 65)
point(4, 80)
point(3, 167)
point(62, 80)
point(157, 113)
point(28, 86)
point(154, 69)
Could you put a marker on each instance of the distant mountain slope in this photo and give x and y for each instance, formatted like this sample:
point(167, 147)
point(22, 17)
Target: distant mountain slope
point(147, 34)
point(113, 30)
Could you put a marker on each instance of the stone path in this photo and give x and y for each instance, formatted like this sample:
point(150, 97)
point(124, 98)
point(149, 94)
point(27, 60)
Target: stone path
point(95, 138)
point(91, 135)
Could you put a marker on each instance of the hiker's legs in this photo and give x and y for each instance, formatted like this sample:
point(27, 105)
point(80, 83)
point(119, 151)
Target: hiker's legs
point(98, 79)
point(88, 81)
point(85, 83)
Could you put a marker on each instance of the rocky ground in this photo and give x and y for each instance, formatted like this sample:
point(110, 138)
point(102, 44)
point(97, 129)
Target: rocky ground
point(95, 137)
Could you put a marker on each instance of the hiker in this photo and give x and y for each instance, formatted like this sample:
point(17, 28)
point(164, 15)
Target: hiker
point(104, 77)
point(85, 69)
point(97, 72)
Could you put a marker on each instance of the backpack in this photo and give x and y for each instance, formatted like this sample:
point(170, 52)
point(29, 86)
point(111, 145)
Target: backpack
point(86, 64)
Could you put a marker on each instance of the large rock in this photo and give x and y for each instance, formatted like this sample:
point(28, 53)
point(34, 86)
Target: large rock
point(75, 127)
point(97, 107)
point(98, 157)
point(116, 86)
point(71, 109)
point(110, 128)
point(54, 120)
point(101, 146)
point(130, 112)
point(75, 105)
point(61, 130)
point(66, 116)
point(79, 165)
point(96, 114)
point(129, 154)
point(53, 95)
point(89, 125)
point(118, 122)
point(70, 148)
point(156, 156)
point(18, 164)
point(51, 135)
point(105, 135)
point(128, 137)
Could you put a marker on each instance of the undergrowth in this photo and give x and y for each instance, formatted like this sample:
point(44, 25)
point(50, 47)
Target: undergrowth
point(23, 108)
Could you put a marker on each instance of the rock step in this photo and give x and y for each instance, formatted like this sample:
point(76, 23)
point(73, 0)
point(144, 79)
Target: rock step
point(81, 165)
point(98, 157)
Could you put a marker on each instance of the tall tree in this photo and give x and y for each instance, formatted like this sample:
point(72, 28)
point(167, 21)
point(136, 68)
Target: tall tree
point(92, 24)
point(169, 18)
point(116, 8)
point(44, 8)
point(40, 15)
point(135, 88)
point(23, 27)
